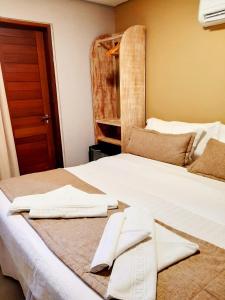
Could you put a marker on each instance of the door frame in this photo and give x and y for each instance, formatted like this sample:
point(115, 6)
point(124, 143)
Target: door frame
point(53, 99)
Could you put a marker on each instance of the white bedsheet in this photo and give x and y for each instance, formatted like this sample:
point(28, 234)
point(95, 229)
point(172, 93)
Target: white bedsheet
point(183, 200)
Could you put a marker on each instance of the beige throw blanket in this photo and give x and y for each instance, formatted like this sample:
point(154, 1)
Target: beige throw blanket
point(75, 241)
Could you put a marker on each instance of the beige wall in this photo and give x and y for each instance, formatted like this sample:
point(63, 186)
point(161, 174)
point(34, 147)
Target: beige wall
point(75, 24)
point(185, 63)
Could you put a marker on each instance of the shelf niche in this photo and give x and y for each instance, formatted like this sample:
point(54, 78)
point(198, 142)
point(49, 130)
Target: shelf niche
point(118, 85)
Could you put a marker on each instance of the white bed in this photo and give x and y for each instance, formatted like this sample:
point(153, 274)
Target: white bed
point(193, 204)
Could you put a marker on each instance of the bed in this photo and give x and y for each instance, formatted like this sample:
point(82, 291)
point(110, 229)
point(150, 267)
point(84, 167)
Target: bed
point(184, 201)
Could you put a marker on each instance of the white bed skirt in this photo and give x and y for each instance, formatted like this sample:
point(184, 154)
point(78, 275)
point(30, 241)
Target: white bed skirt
point(9, 269)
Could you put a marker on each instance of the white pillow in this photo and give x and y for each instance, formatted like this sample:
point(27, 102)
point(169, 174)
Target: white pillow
point(222, 133)
point(174, 128)
point(209, 132)
point(202, 125)
point(204, 131)
point(166, 124)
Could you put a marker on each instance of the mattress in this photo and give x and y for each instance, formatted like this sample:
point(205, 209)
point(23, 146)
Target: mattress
point(193, 204)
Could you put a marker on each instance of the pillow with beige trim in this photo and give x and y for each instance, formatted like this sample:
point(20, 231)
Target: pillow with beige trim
point(212, 162)
point(169, 148)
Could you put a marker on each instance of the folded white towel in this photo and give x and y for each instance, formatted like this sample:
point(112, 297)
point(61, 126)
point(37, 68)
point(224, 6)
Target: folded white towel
point(134, 274)
point(141, 263)
point(68, 213)
point(111, 202)
point(24, 203)
point(137, 227)
point(171, 247)
point(122, 231)
point(65, 197)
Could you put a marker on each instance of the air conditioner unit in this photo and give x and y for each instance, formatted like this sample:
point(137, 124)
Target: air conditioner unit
point(211, 12)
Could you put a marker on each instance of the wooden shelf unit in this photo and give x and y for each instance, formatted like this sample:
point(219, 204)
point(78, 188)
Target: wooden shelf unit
point(112, 122)
point(113, 141)
point(118, 85)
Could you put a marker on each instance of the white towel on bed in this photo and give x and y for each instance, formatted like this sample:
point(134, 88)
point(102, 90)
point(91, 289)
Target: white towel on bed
point(104, 254)
point(122, 231)
point(68, 213)
point(65, 197)
point(139, 248)
point(171, 247)
point(134, 274)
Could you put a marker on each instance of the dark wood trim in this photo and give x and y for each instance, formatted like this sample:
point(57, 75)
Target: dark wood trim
point(22, 24)
point(46, 29)
point(53, 95)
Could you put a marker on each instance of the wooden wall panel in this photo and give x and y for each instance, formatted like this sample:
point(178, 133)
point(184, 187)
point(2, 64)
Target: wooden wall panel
point(21, 68)
point(26, 108)
point(5, 31)
point(17, 40)
point(18, 76)
point(132, 80)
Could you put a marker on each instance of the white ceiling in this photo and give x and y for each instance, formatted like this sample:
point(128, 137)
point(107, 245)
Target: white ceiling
point(108, 2)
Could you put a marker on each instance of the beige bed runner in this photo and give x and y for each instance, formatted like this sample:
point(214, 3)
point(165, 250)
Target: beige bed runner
point(74, 241)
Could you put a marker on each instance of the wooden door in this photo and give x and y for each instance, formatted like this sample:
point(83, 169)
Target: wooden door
point(23, 60)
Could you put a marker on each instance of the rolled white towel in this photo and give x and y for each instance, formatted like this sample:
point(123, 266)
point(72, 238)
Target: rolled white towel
point(67, 197)
point(122, 231)
point(69, 213)
point(105, 252)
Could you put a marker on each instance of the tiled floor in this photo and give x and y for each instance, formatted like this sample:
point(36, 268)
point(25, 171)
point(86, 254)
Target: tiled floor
point(10, 289)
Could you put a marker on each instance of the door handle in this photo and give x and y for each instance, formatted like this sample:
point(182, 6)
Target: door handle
point(45, 118)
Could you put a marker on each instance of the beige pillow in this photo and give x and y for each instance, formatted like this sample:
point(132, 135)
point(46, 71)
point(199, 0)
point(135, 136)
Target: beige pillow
point(170, 148)
point(212, 162)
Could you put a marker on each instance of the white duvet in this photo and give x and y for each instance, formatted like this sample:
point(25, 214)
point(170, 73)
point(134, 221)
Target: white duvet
point(188, 202)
